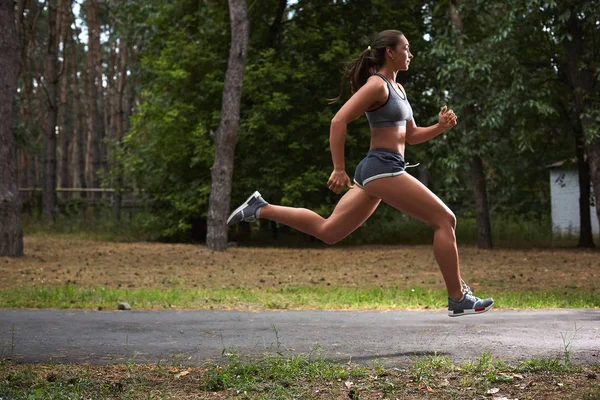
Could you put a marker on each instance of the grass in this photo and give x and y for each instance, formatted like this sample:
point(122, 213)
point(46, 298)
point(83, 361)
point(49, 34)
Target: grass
point(60, 271)
point(293, 298)
point(282, 376)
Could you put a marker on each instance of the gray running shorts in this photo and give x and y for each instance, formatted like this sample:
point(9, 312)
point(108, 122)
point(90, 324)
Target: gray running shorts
point(379, 163)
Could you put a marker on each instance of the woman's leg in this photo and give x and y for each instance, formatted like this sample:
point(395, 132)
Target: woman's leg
point(353, 209)
point(408, 195)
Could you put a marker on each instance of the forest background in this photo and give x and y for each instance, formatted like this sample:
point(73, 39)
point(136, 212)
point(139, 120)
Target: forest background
point(118, 104)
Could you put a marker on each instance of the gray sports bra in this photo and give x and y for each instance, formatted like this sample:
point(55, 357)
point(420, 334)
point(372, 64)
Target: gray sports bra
point(396, 111)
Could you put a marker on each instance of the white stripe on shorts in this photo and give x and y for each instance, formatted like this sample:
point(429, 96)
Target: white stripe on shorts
point(382, 176)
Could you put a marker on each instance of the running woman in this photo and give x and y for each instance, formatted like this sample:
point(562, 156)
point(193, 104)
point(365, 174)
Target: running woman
point(381, 175)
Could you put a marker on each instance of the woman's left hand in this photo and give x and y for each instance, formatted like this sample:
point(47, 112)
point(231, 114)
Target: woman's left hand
point(446, 118)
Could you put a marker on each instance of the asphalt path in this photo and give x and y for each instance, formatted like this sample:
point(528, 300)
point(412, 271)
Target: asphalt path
point(391, 337)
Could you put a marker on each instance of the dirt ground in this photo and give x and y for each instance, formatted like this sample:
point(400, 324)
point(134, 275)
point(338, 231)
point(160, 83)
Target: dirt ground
point(55, 260)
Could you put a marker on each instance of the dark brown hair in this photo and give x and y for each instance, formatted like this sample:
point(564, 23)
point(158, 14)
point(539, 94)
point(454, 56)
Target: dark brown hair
point(369, 61)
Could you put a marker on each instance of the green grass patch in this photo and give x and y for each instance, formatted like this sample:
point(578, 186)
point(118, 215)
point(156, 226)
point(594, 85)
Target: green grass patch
point(302, 297)
point(274, 372)
point(275, 375)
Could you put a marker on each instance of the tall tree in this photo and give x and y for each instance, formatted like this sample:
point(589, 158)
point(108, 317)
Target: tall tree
point(94, 90)
point(79, 128)
point(65, 131)
point(226, 136)
point(11, 233)
point(120, 116)
point(581, 63)
point(50, 87)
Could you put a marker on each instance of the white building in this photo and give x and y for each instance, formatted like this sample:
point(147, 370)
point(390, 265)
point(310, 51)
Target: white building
point(564, 195)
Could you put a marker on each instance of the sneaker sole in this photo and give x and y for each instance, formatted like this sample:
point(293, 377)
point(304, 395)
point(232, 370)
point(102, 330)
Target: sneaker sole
point(244, 205)
point(470, 312)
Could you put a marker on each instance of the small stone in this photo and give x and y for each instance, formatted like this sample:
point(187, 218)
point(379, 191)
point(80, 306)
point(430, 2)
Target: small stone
point(124, 306)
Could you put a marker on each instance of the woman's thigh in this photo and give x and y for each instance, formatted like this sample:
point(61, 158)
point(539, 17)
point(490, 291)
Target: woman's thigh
point(407, 194)
point(353, 209)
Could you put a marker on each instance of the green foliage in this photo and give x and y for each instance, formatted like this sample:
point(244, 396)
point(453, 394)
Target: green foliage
point(499, 101)
point(283, 143)
point(501, 78)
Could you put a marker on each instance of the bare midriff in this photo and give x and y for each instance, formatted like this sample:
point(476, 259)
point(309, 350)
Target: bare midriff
point(392, 138)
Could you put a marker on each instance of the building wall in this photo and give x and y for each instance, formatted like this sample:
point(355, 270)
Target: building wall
point(564, 194)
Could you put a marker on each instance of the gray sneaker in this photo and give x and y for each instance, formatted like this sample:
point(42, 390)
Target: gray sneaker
point(469, 305)
point(247, 211)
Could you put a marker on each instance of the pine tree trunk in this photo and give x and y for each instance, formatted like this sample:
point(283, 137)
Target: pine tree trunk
point(225, 138)
point(51, 91)
point(11, 233)
point(120, 116)
point(64, 125)
point(482, 214)
point(93, 154)
point(79, 132)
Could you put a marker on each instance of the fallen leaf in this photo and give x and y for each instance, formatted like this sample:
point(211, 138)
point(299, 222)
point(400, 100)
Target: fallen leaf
point(348, 384)
point(531, 383)
point(493, 391)
point(518, 376)
point(423, 386)
point(182, 373)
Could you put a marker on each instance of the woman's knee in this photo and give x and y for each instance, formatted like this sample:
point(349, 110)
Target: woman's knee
point(329, 235)
point(329, 238)
point(446, 220)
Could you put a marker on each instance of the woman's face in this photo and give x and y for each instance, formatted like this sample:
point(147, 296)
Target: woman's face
point(401, 55)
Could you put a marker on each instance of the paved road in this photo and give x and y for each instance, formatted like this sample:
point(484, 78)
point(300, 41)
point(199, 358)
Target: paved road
point(392, 337)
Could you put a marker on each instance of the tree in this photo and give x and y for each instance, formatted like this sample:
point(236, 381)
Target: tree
point(51, 95)
point(566, 38)
point(226, 135)
point(11, 234)
point(581, 65)
point(94, 91)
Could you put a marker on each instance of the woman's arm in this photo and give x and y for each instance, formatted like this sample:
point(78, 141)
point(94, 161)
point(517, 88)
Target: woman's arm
point(416, 135)
point(374, 91)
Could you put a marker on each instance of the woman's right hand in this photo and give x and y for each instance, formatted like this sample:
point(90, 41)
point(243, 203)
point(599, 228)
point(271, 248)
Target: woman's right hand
point(338, 180)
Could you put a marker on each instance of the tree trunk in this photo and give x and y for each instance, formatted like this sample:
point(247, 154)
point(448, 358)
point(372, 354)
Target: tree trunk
point(275, 27)
point(586, 237)
point(225, 138)
point(482, 213)
point(582, 81)
point(593, 153)
point(79, 133)
point(11, 233)
point(65, 131)
point(93, 155)
point(120, 116)
point(423, 175)
point(51, 91)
